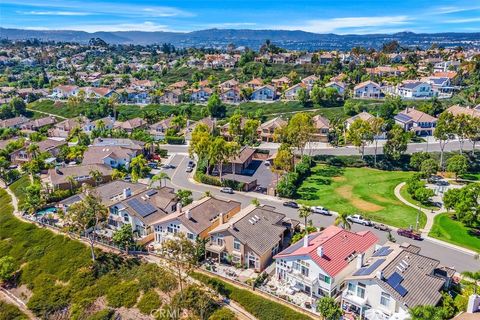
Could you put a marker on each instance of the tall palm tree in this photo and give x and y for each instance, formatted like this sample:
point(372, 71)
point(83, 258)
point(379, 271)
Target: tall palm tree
point(162, 176)
point(71, 180)
point(342, 220)
point(96, 176)
point(474, 276)
point(305, 212)
point(33, 150)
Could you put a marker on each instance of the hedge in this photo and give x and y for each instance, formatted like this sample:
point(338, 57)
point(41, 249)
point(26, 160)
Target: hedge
point(258, 306)
point(175, 140)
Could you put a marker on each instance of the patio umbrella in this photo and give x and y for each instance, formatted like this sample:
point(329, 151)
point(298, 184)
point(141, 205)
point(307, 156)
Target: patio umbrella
point(374, 314)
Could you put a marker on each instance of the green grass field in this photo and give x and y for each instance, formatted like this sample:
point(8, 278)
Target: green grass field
point(446, 229)
point(408, 197)
point(18, 188)
point(359, 190)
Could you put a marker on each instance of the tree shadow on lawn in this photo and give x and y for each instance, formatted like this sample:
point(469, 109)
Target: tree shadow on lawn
point(329, 171)
point(308, 193)
point(320, 181)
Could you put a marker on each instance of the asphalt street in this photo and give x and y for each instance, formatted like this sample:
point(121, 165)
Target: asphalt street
point(179, 179)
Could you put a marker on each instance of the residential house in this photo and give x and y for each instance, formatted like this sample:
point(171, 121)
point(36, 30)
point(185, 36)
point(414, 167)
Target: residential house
point(142, 85)
point(138, 146)
point(239, 164)
point(143, 210)
point(158, 130)
point(310, 81)
point(457, 110)
point(445, 66)
point(325, 58)
point(13, 123)
point(196, 220)
point(130, 125)
point(321, 129)
point(281, 83)
point(225, 129)
point(58, 178)
point(417, 121)
point(99, 92)
point(230, 95)
point(48, 145)
point(36, 124)
point(440, 85)
point(254, 83)
point(393, 280)
point(365, 116)
point(65, 91)
point(180, 85)
point(367, 89)
point(62, 129)
point(172, 96)
point(415, 90)
point(319, 263)
point(251, 238)
point(200, 94)
point(263, 93)
point(229, 84)
point(134, 96)
point(112, 156)
point(337, 85)
point(305, 59)
point(267, 129)
point(292, 92)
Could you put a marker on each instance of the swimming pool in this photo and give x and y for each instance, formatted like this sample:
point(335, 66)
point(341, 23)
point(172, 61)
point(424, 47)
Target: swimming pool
point(46, 211)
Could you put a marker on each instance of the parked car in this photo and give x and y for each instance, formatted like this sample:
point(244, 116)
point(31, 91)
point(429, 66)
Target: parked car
point(153, 165)
point(356, 218)
point(169, 166)
point(409, 233)
point(261, 189)
point(191, 163)
point(381, 227)
point(227, 190)
point(321, 210)
point(189, 169)
point(291, 204)
point(267, 163)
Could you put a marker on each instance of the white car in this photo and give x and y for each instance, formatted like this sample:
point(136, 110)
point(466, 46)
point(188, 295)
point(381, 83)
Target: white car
point(227, 190)
point(321, 210)
point(356, 218)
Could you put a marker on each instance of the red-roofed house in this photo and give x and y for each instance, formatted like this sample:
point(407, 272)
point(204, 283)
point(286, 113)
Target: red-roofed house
point(318, 264)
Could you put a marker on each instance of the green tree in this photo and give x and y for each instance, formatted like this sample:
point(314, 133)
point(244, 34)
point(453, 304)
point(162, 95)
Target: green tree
point(250, 131)
point(418, 158)
point(123, 237)
point(7, 268)
point(201, 139)
point(316, 95)
point(161, 177)
point(298, 131)
point(185, 197)
point(329, 309)
point(426, 312)
point(304, 212)
point(429, 167)
point(397, 142)
point(302, 96)
point(33, 198)
point(474, 277)
point(139, 168)
point(377, 126)
point(423, 195)
point(457, 164)
point(443, 132)
point(85, 214)
point(359, 134)
point(342, 220)
point(96, 176)
point(215, 106)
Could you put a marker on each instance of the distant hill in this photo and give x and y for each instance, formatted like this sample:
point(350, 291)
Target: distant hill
point(252, 38)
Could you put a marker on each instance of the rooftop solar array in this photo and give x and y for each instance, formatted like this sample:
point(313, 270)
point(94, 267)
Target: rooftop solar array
point(142, 208)
point(382, 252)
point(394, 281)
point(402, 117)
point(369, 269)
point(151, 192)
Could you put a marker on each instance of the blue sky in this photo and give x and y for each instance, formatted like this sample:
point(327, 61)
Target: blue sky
point(339, 16)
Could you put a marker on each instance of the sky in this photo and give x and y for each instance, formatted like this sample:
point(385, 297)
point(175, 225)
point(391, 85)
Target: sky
point(319, 16)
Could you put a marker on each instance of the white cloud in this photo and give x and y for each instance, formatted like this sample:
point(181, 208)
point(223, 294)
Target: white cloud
point(345, 25)
point(453, 9)
point(144, 26)
point(55, 13)
point(466, 20)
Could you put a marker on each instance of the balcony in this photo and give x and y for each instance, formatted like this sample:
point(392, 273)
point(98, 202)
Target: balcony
point(215, 247)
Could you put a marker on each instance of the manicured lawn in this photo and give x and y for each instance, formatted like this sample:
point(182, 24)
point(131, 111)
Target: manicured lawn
point(408, 197)
point(359, 190)
point(446, 229)
point(471, 176)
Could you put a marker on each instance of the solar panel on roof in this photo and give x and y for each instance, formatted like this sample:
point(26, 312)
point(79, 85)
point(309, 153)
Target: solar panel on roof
point(151, 192)
point(402, 117)
point(401, 290)
point(394, 280)
point(382, 252)
point(142, 208)
point(368, 270)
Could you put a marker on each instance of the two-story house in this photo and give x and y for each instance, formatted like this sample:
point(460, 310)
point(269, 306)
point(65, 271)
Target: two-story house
point(63, 178)
point(251, 238)
point(367, 89)
point(394, 279)
point(292, 92)
point(196, 219)
point(419, 122)
point(267, 129)
point(415, 90)
point(130, 125)
point(62, 129)
point(319, 263)
point(263, 93)
point(48, 145)
point(321, 129)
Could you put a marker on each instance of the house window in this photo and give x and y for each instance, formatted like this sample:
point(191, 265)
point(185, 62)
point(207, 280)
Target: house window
point(236, 245)
point(385, 299)
point(351, 287)
point(190, 236)
point(324, 278)
point(361, 290)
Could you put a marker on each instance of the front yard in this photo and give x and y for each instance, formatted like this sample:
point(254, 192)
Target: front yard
point(446, 229)
point(359, 190)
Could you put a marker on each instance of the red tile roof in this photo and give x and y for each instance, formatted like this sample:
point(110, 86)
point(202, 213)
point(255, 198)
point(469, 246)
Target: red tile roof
point(337, 245)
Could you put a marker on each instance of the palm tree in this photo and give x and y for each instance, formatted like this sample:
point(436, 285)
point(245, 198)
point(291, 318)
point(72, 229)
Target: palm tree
point(72, 181)
point(475, 277)
point(138, 166)
point(208, 193)
point(33, 150)
point(96, 176)
point(162, 176)
point(342, 220)
point(305, 212)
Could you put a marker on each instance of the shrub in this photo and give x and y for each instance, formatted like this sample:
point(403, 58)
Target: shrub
point(235, 185)
point(175, 140)
point(223, 314)
point(258, 306)
point(150, 301)
point(124, 294)
point(105, 314)
point(9, 311)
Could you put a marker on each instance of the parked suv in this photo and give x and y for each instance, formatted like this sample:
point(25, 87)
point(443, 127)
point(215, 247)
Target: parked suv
point(321, 210)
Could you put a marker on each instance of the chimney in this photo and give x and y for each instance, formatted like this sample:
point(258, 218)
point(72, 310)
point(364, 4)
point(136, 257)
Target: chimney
point(127, 192)
point(380, 274)
point(179, 207)
point(221, 219)
point(320, 251)
point(359, 260)
point(305, 241)
point(188, 214)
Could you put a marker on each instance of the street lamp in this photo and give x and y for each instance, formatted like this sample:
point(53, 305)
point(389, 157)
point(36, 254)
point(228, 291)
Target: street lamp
point(418, 217)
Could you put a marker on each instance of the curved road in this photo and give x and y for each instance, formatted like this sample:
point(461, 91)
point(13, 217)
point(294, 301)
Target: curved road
point(448, 256)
